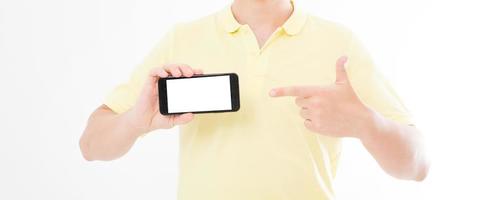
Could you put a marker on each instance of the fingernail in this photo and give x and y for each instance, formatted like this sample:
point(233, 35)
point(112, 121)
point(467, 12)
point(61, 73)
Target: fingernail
point(344, 60)
point(273, 93)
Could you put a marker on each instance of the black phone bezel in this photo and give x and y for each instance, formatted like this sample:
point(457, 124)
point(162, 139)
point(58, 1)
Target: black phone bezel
point(234, 93)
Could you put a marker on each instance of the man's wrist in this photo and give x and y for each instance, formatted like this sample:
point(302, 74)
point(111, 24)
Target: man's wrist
point(130, 123)
point(372, 125)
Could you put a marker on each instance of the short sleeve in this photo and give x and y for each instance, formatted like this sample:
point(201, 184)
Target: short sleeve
point(371, 86)
point(124, 96)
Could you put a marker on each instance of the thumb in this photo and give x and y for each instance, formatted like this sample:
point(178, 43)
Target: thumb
point(341, 74)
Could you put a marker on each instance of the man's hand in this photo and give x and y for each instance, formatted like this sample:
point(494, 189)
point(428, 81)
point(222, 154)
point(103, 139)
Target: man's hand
point(145, 115)
point(336, 110)
point(109, 135)
point(333, 110)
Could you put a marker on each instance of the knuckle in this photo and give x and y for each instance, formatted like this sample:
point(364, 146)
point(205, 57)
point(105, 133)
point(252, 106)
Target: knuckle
point(153, 71)
point(307, 124)
point(298, 101)
point(302, 113)
point(185, 68)
point(184, 65)
point(316, 102)
point(169, 66)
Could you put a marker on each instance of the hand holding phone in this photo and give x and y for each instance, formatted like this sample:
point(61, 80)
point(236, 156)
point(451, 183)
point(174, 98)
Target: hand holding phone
point(145, 115)
point(199, 94)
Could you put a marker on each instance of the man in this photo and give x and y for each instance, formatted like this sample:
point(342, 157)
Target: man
point(276, 146)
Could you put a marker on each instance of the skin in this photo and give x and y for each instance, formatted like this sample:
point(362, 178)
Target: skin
point(109, 135)
point(333, 110)
point(263, 17)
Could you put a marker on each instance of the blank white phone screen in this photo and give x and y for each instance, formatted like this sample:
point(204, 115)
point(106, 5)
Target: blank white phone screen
point(199, 94)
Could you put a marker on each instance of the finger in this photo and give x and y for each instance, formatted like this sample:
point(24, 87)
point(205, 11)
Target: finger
point(341, 74)
point(302, 102)
point(182, 118)
point(186, 70)
point(198, 71)
point(158, 72)
point(305, 113)
point(299, 91)
point(153, 77)
point(173, 70)
point(309, 124)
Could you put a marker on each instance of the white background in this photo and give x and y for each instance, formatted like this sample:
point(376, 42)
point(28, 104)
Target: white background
point(59, 58)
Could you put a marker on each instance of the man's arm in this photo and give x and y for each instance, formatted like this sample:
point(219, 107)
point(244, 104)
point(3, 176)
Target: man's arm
point(109, 135)
point(337, 111)
point(397, 148)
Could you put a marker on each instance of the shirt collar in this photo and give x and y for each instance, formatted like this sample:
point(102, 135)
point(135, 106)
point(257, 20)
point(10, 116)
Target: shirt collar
point(292, 26)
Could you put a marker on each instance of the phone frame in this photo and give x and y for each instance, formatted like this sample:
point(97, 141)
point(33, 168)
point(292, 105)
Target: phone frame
point(234, 93)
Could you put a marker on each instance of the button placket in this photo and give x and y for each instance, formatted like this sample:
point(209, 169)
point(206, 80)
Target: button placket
point(257, 61)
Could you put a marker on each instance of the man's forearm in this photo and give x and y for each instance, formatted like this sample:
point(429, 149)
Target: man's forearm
point(397, 148)
point(107, 136)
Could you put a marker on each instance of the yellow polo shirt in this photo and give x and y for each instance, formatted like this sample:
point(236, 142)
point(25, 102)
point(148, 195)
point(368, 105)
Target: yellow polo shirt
point(263, 151)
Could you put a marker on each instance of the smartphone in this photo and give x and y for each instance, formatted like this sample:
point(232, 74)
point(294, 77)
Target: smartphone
point(209, 93)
